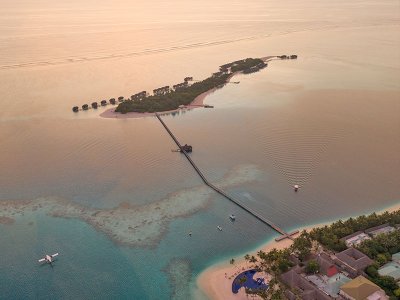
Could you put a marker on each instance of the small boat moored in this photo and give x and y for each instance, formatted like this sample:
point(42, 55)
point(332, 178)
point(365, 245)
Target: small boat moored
point(296, 187)
point(232, 217)
point(219, 228)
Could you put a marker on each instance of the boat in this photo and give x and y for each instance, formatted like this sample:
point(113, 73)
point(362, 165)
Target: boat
point(219, 228)
point(296, 187)
point(232, 217)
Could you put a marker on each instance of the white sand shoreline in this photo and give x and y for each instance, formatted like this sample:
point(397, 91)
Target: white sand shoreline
point(214, 281)
point(198, 102)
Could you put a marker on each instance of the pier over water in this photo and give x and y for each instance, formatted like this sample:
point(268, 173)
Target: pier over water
point(223, 193)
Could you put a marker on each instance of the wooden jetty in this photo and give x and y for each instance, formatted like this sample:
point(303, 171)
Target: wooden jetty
point(221, 192)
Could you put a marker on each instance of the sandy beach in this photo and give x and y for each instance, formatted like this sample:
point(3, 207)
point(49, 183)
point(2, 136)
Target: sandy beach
point(216, 281)
point(198, 102)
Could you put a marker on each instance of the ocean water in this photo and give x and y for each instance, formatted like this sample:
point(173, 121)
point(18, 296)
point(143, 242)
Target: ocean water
point(113, 199)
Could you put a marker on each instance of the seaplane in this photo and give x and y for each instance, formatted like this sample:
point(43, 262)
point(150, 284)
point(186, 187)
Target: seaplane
point(48, 258)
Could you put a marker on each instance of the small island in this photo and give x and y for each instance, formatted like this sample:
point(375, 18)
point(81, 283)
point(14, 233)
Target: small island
point(166, 99)
point(189, 93)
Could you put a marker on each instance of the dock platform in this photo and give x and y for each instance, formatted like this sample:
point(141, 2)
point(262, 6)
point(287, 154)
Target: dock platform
point(283, 233)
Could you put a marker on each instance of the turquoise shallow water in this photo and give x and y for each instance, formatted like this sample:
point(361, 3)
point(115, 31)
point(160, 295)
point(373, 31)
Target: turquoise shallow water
point(91, 265)
point(113, 199)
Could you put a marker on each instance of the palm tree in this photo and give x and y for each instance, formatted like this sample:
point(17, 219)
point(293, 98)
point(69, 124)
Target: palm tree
point(253, 259)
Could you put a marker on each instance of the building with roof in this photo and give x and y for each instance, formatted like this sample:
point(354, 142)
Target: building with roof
point(361, 288)
point(329, 285)
point(355, 239)
point(326, 265)
point(391, 269)
point(381, 229)
point(353, 261)
point(304, 288)
point(396, 257)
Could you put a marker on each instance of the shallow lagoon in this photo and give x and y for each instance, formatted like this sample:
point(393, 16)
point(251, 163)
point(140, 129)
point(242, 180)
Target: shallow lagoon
point(328, 121)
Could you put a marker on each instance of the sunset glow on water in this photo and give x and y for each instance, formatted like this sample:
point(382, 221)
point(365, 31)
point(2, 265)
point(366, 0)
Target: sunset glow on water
point(109, 194)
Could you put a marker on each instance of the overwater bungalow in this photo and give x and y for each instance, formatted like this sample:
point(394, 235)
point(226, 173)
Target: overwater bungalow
point(293, 56)
point(139, 96)
point(112, 101)
point(283, 57)
point(188, 79)
point(94, 105)
point(120, 99)
point(103, 102)
point(85, 107)
point(75, 109)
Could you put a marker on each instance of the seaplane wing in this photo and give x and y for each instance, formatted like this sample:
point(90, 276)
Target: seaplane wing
point(41, 260)
point(54, 255)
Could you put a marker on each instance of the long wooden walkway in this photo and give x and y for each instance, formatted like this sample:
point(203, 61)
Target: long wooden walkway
point(221, 192)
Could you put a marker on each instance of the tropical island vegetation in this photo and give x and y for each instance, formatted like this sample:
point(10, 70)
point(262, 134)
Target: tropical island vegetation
point(304, 254)
point(165, 99)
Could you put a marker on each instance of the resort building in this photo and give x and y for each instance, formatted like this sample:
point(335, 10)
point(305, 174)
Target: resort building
point(180, 85)
point(355, 239)
point(381, 229)
point(329, 279)
point(217, 74)
point(396, 257)
point(301, 287)
point(353, 261)
point(361, 288)
point(139, 96)
point(392, 268)
point(329, 285)
point(161, 91)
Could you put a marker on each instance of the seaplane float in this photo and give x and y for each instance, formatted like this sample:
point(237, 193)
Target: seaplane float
point(48, 259)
